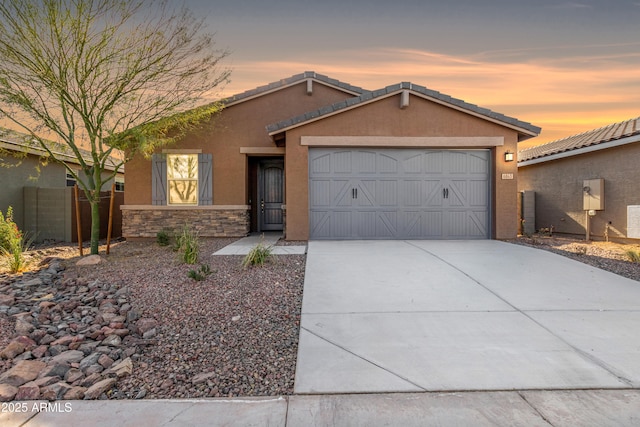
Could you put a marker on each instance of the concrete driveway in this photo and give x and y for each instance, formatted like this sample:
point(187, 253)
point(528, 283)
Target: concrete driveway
point(407, 316)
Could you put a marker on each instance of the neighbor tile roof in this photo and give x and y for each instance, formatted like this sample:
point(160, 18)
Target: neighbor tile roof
point(601, 135)
point(355, 90)
point(368, 96)
point(21, 142)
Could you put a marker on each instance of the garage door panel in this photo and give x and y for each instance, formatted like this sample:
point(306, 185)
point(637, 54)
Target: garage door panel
point(399, 193)
point(364, 162)
point(387, 193)
point(478, 162)
point(366, 193)
point(433, 191)
point(341, 191)
point(478, 194)
point(433, 162)
point(387, 224)
point(457, 163)
point(432, 225)
point(387, 164)
point(478, 223)
point(341, 223)
point(320, 225)
point(413, 164)
point(342, 162)
point(320, 164)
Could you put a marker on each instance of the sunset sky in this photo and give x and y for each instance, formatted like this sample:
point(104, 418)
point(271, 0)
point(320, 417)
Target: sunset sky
point(566, 66)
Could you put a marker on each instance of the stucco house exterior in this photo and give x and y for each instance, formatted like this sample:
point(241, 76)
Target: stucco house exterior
point(322, 159)
point(40, 193)
point(564, 175)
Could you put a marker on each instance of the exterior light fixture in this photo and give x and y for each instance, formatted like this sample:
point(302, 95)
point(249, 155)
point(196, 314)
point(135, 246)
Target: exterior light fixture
point(508, 156)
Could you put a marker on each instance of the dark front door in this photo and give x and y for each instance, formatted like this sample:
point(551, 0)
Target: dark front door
point(270, 194)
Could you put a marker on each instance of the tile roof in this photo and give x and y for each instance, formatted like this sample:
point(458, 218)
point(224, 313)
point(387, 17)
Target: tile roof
point(234, 99)
point(612, 132)
point(17, 141)
point(530, 129)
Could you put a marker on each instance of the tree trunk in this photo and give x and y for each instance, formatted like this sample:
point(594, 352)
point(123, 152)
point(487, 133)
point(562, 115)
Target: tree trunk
point(95, 224)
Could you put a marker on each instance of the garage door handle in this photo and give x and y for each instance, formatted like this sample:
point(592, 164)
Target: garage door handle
point(354, 193)
point(445, 193)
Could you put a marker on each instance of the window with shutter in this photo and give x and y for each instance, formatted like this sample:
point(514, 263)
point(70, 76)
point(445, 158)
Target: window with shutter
point(182, 179)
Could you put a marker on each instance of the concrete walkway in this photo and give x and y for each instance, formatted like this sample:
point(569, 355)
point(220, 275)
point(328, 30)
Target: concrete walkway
point(414, 316)
point(598, 408)
point(269, 238)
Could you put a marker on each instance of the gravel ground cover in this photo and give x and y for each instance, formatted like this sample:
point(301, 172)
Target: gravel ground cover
point(608, 256)
point(233, 334)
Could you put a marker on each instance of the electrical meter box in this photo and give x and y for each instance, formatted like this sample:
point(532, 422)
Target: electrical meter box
point(593, 194)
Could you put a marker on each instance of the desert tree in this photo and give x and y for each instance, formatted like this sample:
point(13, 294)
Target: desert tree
point(112, 78)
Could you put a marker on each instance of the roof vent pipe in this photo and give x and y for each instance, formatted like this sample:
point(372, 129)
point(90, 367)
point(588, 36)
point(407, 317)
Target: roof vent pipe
point(404, 99)
point(309, 87)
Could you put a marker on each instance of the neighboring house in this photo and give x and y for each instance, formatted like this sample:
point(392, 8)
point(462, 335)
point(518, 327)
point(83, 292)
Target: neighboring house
point(322, 159)
point(557, 172)
point(40, 192)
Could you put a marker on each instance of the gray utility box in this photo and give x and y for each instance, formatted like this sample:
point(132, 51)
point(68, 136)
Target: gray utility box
point(593, 194)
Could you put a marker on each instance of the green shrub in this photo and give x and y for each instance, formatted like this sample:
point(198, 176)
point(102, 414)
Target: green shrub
point(162, 238)
point(13, 243)
point(634, 256)
point(188, 244)
point(258, 255)
point(200, 274)
point(9, 233)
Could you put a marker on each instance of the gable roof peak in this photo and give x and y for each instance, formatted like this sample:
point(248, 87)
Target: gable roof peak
point(525, 129)
point(290, 81)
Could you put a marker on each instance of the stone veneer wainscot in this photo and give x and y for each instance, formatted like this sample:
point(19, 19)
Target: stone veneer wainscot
point(208, 221)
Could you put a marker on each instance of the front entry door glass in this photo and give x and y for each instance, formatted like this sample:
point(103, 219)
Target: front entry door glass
point(271, 195)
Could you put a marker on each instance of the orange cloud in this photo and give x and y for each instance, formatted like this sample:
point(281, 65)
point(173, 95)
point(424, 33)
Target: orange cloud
point(563, 95)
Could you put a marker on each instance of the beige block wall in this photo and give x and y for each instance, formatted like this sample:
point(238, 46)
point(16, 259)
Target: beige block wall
point(558, 187)
point(385, 118)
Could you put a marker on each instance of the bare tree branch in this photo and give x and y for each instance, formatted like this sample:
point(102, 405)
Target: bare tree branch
point(105, 74)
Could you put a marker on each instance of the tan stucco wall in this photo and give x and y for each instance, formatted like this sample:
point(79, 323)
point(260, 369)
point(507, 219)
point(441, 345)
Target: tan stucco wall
point(240, 125)
point(558, 188)
point(385, 118)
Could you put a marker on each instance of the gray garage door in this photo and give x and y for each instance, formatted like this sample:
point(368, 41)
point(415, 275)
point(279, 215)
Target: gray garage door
point(398, 194)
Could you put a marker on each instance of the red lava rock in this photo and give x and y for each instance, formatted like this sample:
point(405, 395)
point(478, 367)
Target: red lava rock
point(39, 351)
point(98, 388)
point(75, 393)
point(28, 391)
point(23, 372)
point(145, 324)
point(7, 392)
point(12, 350)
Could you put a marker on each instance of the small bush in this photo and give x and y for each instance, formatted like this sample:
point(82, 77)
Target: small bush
point(188, 244)
point(162, 238)
point(634, 256)
point(13, 243)
point(258, 255)
point(200, 274)
point(9, 233)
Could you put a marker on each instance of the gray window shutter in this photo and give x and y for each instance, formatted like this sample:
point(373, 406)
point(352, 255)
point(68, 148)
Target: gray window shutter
point(159, 179)
point(205, 178)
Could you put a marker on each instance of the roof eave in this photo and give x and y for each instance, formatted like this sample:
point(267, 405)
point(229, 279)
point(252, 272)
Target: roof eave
point(523, 133)
point(583, 150)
